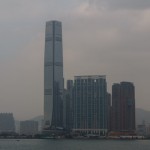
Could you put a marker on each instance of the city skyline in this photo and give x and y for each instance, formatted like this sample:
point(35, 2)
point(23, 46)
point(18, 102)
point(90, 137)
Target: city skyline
point(99, 37)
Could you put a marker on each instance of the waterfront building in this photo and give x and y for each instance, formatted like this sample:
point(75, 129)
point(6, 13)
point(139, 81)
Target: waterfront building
point(148, 130)
point(141, 130)
point(28, 127)
point(116, 107)
point(53, 76)
point(90, 105)
point(7, 123)
point(109, 116)
point(67, 109)
point(123, 107)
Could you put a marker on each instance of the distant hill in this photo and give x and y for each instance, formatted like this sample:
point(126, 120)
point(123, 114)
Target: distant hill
point(38, 118)
point(142, 115)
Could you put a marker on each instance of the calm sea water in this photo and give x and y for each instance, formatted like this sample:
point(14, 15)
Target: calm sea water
point(74, 144)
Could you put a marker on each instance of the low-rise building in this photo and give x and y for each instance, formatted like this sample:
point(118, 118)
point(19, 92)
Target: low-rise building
point(7, 123)
point(28, 127)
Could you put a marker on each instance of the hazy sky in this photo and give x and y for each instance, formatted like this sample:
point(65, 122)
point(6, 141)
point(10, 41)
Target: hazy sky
point(100, 37)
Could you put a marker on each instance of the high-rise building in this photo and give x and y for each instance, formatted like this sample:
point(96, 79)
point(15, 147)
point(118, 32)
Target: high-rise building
point(90, 105)
point(53, 76)
point(123, 107)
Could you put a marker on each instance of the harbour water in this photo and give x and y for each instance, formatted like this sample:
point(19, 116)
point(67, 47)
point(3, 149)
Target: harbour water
point(63, 144)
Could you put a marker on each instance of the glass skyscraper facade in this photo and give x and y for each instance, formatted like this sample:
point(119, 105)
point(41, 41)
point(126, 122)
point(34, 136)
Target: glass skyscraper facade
point(123, 107)
point(90, 105)
point(53, 76)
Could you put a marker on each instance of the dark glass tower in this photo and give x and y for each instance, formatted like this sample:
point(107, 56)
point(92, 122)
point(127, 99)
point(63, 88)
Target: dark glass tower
point(123, 107)
point(53, 75)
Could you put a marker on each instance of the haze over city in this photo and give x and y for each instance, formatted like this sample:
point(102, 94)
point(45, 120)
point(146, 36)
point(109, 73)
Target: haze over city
point(100, 37)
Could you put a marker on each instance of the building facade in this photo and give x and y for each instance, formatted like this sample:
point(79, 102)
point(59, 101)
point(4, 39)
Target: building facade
point(28, 127)
point(109, 115)
point(53, 76)
point(89, 105)
point(116, 107)
point(123, 107)
point(7, 123)
point(67, 109)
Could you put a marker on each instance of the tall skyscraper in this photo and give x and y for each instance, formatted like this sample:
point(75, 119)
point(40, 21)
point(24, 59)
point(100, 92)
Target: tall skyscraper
point(53, 76)
point(90, 105)
point(123, 107)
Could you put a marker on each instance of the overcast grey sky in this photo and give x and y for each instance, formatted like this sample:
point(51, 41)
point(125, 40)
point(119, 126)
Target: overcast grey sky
point(110, 37)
